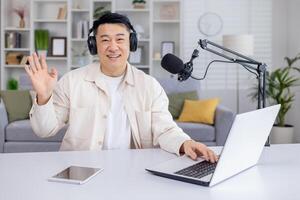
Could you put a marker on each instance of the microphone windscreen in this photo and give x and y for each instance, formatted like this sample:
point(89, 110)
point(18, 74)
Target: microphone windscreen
point(172, 63)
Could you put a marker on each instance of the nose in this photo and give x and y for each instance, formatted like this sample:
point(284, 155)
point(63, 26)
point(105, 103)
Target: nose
point(113, 46)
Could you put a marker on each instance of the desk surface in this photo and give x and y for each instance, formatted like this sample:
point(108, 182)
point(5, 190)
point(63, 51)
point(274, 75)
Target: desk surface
point(24, 176)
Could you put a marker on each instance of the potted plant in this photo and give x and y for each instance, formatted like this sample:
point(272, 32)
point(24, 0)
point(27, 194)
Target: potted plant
point(139, 4)
point(12, 84)
point(42, 41)
point(21, 13)
point(279, 84)
point(99, 11)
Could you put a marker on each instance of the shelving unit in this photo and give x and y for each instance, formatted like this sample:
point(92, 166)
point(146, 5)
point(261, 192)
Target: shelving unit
point(43, 15)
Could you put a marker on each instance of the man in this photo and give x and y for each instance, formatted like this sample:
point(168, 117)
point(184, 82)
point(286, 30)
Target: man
point(108, 106)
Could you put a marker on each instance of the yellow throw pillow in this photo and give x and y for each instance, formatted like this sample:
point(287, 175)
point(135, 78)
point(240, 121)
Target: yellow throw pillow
point(202, 111)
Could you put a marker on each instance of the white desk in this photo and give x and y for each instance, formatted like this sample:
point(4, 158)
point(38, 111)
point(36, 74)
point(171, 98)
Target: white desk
point(24, 176)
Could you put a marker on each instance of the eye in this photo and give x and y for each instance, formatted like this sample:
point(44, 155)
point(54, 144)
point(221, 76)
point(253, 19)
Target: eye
point(120, 39)
point(104, 40)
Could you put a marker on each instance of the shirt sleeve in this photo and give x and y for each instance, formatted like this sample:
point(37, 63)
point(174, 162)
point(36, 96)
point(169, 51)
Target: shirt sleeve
point(166, 133)
point(46, 120)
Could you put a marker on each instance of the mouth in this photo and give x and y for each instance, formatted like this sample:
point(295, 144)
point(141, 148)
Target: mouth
point(113, 57)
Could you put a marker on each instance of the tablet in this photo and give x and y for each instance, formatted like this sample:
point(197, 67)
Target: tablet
point(75, 175)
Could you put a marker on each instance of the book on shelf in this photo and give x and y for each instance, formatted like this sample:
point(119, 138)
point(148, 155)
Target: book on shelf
point(13, 40)
point(82, 29)
point(62, 12)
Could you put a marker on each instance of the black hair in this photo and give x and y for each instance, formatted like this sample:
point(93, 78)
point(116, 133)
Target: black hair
point(112, 18)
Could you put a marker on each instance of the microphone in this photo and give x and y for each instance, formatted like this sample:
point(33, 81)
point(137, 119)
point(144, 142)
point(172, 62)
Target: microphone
point(175, 65)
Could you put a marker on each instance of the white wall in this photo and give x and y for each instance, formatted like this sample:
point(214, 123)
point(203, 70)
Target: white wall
point(286, 42)
point(239, 17)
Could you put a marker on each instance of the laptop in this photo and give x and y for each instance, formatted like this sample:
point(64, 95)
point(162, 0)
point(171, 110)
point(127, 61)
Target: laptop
point(242, 149)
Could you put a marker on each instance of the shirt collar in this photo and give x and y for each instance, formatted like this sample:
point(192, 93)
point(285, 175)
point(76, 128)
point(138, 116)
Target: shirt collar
point(93, 72)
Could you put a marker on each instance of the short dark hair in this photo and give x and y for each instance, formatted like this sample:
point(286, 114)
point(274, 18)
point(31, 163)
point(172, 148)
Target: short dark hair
point(112, 18)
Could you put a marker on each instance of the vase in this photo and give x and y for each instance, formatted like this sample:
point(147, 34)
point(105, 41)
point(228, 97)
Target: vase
point(42, 52)
point(282, 135)
point(22, 23)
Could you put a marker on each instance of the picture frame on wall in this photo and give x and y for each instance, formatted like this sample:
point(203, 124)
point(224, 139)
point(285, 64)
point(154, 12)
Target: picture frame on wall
point(136, 57)
point(167, 47)
point(59, 46)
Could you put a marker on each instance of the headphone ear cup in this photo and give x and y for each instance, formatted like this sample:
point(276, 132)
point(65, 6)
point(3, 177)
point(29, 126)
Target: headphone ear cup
point(92, 45)
point(133, 41)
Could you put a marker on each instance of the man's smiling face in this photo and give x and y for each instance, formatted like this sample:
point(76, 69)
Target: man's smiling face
point(113, 48)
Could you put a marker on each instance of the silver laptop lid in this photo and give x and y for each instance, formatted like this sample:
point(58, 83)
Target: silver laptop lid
point(245, 142)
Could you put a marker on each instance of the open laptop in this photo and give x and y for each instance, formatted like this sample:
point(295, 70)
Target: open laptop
point(241, 151)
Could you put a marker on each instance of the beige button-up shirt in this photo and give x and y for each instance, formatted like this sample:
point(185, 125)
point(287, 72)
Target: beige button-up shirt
point(80, 99)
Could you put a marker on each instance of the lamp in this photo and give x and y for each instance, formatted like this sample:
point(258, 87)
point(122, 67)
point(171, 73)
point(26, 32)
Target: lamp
point(244, 45)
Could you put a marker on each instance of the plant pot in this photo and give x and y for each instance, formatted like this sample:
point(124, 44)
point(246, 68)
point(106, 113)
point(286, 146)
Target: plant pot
point(282, 135)
point(139, 5)
point(42, 52)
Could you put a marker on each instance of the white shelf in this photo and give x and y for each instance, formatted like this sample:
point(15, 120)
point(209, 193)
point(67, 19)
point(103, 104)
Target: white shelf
point(79, 39)
point(16, 49)
point(50, 21)
point(16, 29)
point(56, 58)
point(14, 66)
point(132, 10)
point(50, 1)
point(166, 21)
point(75, 10)
point(144, 40)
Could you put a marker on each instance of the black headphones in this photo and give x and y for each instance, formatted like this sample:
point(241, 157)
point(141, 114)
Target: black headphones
point(111, 18)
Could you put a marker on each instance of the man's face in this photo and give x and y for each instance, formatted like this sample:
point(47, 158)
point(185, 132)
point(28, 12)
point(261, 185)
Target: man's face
point(113, 46)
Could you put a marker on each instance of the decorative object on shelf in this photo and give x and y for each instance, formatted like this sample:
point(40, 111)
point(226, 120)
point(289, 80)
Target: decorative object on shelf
point(59, 46)
point(13, 40)
point(62, 12)
point(136, 57)
point(210, 24)
point(139, 4)
point(99, 11)
point(21, 13)
point(80, 56)
point(140, 31)
point(167, 47)
point(42, 41)
point(168, 11)
point(157, 56)
point(12, 84)
point(13, 58)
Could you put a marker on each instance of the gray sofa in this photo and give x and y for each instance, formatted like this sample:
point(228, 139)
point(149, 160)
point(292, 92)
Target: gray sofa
point(18, 136)
point(210, 135)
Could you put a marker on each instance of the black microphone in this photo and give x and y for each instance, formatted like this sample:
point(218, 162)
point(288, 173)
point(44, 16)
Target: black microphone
point(175, 65)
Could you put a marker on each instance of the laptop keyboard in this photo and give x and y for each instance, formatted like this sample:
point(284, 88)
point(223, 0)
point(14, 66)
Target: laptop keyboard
point(198, 170)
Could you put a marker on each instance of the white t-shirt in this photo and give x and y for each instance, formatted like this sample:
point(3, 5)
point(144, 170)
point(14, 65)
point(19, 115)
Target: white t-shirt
point(118, 132)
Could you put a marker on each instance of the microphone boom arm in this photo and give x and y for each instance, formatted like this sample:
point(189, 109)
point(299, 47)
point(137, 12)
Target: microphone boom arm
point(246, 62)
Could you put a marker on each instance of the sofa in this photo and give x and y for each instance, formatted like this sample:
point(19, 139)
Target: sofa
point(211, 135)
point(18, 136)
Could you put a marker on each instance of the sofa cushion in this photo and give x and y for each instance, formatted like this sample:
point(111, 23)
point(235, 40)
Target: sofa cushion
point(176, 101)
point(21, 131)
point(198, 132)
point(201, 111)
point(18, 104)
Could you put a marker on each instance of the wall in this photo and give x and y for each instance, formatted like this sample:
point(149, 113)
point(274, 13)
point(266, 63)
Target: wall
point(230, 82)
